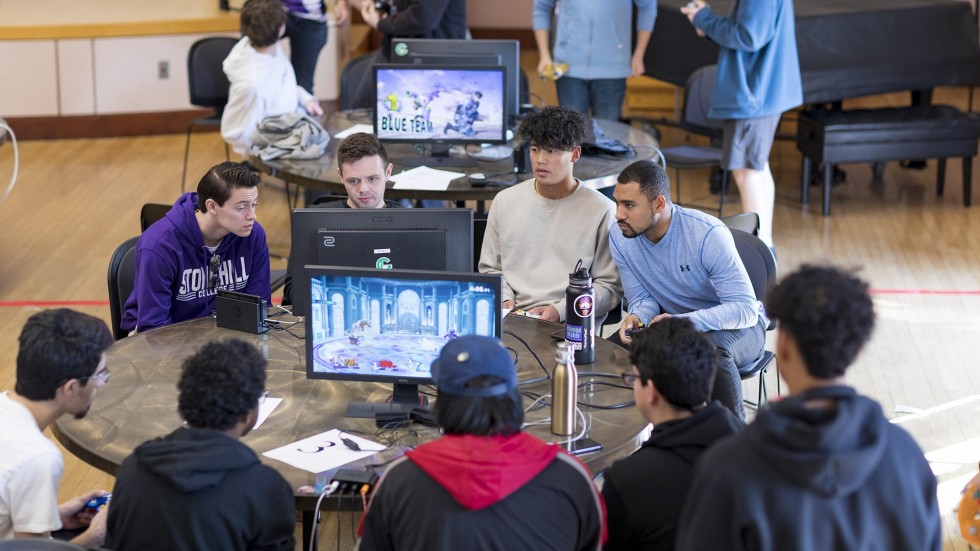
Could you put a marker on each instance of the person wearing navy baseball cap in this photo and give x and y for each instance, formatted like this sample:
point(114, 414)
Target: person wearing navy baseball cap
point(501, 487)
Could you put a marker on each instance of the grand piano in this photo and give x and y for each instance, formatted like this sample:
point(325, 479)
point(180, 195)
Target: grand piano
point(848, 48)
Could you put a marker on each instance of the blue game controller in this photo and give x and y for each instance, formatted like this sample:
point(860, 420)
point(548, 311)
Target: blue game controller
point(95, 504)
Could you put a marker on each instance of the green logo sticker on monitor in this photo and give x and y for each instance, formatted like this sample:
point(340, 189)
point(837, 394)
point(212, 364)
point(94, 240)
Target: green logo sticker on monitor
point(383, 263)
point(401, 49)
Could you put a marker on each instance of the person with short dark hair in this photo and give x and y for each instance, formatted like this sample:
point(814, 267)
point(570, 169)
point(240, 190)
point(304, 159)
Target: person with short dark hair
point(61, 364)
point(209, 240)
point(822, 468)
point(199, 487)
point(681, 262)
point(539, 229)
point(362, 163)
point(484, 484)
point(673, 370)
point(263, 83)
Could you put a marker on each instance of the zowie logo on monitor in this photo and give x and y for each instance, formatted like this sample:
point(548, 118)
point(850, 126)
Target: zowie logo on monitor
point(383, 263)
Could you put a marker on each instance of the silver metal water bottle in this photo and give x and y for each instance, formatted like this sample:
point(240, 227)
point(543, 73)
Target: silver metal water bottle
point(564, 391)
point(580, 314)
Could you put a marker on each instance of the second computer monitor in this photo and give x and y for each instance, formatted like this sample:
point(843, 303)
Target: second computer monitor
point(383, 239)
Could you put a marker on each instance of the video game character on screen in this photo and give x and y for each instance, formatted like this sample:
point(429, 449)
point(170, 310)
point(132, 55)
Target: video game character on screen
point(439, 104)
point(376, 325)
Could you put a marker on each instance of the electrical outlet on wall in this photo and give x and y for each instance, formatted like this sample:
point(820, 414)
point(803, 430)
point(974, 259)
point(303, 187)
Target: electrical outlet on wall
point(163, 70)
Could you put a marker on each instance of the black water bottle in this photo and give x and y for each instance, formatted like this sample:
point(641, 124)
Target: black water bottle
point(580, 314)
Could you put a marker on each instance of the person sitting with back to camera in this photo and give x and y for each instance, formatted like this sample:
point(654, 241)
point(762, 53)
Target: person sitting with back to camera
point(484, 484)
point(209, 240)
point(673, 370)
point(681, 262)
point(362, 163)
point(539, 229)
point(263, 83)
point(200, 487)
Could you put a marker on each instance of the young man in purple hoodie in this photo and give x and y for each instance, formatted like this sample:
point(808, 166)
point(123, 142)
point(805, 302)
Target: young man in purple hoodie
point(209, 240)
point(485, 484)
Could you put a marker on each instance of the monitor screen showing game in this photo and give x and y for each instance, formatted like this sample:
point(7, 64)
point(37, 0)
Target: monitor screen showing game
point(440, 104)
point(413, 239)
point(388, 326)
point(442, 51)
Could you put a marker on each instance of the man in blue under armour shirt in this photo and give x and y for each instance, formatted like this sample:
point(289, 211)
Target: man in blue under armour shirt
point(680, 262)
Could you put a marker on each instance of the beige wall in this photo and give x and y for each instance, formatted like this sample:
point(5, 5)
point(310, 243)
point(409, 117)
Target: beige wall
point(499, 14)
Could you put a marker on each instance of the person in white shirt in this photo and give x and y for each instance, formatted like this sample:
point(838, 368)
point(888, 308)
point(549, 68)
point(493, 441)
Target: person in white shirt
point(61, 364)
point(263, 83)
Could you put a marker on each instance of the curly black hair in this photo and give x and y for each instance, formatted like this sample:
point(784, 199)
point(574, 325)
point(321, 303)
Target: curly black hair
point(653, 179)
point(56, 346)
point(220, 384)
point(828, 313)
point(679, 359)
point(553, 128)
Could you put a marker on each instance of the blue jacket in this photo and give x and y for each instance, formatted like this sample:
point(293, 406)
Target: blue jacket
point(172, 263)
point(593, 36)
point(758, 67)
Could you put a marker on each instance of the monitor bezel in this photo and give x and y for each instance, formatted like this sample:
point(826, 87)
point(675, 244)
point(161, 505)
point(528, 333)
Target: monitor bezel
point(429, 50)
point(302, 239)
point(494, 281)
point(461, 140)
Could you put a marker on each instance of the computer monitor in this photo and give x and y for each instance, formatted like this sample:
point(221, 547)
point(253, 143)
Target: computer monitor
point(436, 51)
point(440, 104)
point(417, 239)
point(388, 326)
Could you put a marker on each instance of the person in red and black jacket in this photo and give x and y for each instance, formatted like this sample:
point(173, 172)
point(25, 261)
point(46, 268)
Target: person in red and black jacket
point(485, 484)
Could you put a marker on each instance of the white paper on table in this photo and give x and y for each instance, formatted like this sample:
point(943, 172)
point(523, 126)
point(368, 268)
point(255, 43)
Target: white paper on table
point(354, 130)
point(423, 177)
point(265, 410)
point(323, 452)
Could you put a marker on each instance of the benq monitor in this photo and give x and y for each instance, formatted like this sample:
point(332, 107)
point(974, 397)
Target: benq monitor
point(382, 239)
point(440, 51)
point(436, 104)
point(388, 326)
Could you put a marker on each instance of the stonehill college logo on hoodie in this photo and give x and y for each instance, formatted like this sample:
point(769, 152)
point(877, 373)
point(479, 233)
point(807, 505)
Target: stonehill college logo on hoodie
point(195, 282)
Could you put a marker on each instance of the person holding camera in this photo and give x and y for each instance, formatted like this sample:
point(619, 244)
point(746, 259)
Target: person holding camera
point(408, 19)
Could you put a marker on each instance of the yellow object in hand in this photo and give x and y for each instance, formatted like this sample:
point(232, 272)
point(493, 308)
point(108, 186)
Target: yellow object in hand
point(555, 71)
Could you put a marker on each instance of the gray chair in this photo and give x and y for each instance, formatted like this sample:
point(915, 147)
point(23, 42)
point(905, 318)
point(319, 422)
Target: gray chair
point(761, 267)
point(746, 221)
point(121, 278)
point(694, 119)
point(208, 86)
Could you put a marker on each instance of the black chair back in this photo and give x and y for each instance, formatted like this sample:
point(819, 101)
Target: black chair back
point(745, 221)
point(121, 278)
point(350, 78)
point(479, 230)
point(697, 101)
point(151, 212)
point(758, 262)
point(208, 84)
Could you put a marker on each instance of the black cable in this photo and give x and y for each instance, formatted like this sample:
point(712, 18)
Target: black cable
point(287, 330)
point(532, 381)
point(339, 509)
point(531, 350)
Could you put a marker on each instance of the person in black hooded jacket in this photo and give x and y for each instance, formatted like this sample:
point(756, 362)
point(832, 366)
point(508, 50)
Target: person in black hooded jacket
point(822, 469)
point(199, 487)
point(674, 366)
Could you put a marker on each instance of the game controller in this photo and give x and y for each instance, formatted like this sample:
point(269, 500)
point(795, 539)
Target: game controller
point(525, 314)
point(636, 329)
point(96, 503)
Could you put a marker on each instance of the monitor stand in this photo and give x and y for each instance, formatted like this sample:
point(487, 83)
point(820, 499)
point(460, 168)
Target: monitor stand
point(439, 158)
point(404, 399)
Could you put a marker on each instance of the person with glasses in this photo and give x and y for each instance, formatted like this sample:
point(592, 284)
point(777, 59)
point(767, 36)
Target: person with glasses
point(209, 240)
point(673, 365)
point(200, 487)
point(61, 364)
